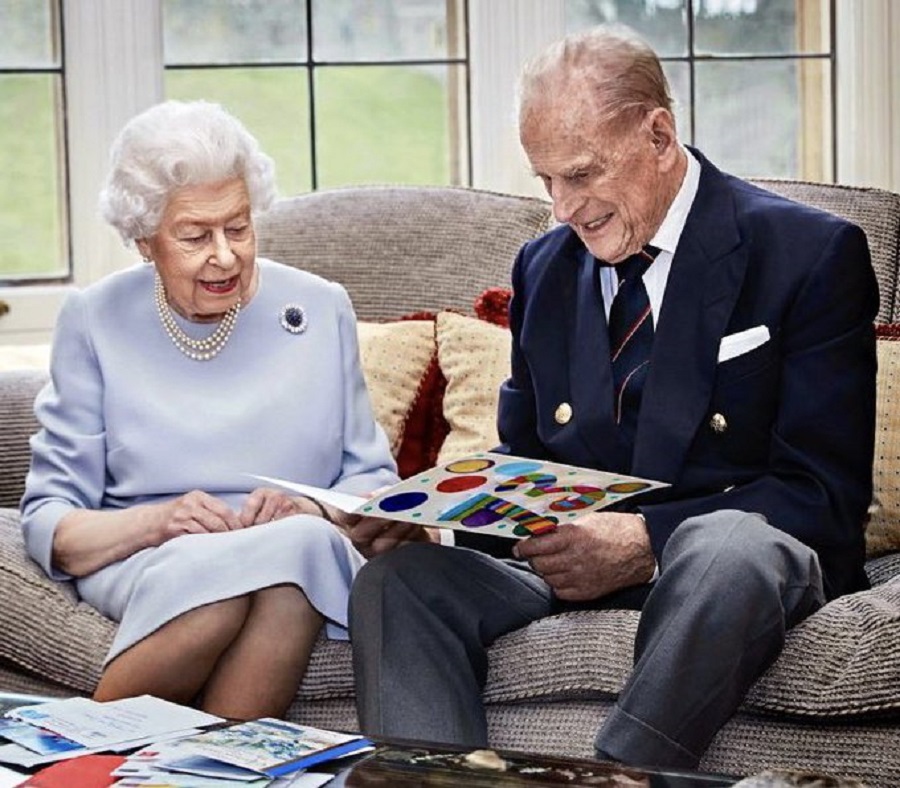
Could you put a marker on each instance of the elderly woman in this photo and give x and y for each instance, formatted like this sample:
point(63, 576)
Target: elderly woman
point(172, 382)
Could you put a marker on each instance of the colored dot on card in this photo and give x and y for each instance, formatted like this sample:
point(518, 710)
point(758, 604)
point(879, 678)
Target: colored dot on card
point(518, 468)
point(403, 501)
point(468, 466)
point(460, 483)
point(627, 487)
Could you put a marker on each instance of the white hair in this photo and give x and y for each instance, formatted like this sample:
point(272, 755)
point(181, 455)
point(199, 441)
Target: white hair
point(621, 71)
point(176, 144)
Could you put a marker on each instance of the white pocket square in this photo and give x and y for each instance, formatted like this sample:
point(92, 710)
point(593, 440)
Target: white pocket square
point(742, 342)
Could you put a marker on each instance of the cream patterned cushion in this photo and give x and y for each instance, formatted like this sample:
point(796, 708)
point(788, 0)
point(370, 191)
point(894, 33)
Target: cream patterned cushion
point(474, 358)
point(395, 357)
point(883, 531)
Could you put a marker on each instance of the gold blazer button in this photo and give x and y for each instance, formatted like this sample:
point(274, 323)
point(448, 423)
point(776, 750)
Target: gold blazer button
point(563, 414)
point(718, 423)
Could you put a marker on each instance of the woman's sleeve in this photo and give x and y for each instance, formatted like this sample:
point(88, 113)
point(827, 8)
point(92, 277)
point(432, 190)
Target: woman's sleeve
point(366, 463)
point(68, 453)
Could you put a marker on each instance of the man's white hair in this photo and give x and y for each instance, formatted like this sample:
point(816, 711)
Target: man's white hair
point(619, 69)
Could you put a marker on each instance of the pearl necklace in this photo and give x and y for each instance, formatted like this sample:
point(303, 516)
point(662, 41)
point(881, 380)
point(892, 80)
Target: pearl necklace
point(197, 349)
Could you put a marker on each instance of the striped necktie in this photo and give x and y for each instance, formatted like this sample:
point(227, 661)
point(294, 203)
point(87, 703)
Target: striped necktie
point(630, 340)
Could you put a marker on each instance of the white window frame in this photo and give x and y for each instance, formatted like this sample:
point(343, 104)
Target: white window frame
point(114, 69)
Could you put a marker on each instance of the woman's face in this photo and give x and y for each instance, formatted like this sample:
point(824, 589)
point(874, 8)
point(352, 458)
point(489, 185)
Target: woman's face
point(205, 249)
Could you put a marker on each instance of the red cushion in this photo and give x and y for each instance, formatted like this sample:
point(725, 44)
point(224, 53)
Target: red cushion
point(425, 427)
point(492, 305)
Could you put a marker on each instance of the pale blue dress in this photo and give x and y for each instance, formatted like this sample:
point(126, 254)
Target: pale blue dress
point(128, 419)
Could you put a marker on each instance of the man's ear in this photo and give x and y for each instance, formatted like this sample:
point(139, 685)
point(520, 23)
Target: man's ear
point(661, 126)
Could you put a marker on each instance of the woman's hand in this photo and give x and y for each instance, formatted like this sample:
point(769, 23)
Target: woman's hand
point(196, 512)
point(265, 504)
point(86, 540)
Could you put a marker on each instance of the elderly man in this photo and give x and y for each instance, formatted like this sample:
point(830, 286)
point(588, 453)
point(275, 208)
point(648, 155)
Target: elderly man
point(681, 325)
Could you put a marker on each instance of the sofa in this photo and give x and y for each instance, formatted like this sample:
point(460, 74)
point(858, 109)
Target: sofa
point(426, 268)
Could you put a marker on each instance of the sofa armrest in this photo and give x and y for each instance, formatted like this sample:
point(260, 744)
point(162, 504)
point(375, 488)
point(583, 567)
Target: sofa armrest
point(47, 631)
point(17, 424)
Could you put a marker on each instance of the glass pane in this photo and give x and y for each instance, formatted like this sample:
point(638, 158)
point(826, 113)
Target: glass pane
point(390, 124)
point(354, 30)
point(29, 34)
point(759, 26)
point(679, 76)
point(663, 23)
point(766, 118)
point(272, 102)
point(234, 31)
point(31, 207)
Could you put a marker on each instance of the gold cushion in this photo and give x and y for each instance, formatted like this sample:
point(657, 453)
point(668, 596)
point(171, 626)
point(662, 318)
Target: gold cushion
point(883, 531)
point(474, 358)
point(395, 357)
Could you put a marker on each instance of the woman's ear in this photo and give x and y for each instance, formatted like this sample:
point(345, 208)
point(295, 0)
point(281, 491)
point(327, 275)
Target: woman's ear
point(144, 248)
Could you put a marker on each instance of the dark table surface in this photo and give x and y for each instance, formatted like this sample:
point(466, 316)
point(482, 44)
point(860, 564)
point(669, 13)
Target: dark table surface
point(412, 764)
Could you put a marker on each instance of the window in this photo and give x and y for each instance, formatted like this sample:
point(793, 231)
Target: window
point(345, 91)
point(32, 150)
point(337, 91)
point(752, 79)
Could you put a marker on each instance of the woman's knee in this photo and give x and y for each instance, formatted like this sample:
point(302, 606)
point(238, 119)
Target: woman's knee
point(227, 614)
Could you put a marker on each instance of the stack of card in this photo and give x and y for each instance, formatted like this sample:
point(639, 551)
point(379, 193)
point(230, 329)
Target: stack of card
point(62, 729)
point(170, 745)
point(248, 755)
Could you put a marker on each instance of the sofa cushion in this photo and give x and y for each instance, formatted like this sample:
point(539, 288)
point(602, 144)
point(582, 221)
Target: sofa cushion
point(426, 426)
point(46, 629)
point(395, 359)
point(883, 530)
point(398, 249)
point(840, 662)
point(17, 392)
point(474, 358)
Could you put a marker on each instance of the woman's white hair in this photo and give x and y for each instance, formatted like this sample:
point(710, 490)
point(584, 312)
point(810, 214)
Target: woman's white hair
point(176, 144)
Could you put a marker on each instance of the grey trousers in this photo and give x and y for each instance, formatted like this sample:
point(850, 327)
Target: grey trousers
point(730, 586)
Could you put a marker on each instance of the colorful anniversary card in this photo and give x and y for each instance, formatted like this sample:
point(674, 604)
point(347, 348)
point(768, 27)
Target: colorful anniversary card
point(491, 493)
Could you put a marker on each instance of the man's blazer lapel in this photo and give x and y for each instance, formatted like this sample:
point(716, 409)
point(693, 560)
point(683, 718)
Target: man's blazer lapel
point(703, 286)
point(590, 377)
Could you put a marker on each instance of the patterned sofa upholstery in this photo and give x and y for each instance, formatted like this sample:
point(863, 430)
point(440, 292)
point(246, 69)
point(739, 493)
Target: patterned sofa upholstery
point(831, 701)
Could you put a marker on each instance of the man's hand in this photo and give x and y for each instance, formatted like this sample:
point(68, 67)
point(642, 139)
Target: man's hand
point(373, 535)
point(592, 556)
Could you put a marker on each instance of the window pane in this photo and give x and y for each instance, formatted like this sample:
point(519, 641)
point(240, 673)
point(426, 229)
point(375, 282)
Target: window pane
point(234, 31)
point(766, 118)
point(272, 102)
point(389, 124)
point(756, 26)
point(29, 30)
point(31, 223)
point(354, 30)
point(679, 77)
point(662, 23)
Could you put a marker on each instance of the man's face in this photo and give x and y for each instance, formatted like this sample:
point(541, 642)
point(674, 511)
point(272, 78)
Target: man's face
point(608, 183)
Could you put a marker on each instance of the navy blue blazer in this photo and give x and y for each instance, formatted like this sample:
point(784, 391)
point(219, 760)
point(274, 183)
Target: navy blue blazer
point(799, 410)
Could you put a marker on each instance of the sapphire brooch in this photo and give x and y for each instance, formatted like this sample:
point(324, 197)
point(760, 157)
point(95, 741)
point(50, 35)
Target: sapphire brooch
point(293, 319)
